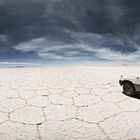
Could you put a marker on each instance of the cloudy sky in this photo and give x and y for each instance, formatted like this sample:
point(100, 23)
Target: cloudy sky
point(69, 31)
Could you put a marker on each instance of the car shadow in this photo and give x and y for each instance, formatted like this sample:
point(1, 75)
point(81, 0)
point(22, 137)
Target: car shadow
point(137, 96)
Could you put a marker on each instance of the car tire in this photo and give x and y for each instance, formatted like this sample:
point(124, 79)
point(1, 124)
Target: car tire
point(129, 89)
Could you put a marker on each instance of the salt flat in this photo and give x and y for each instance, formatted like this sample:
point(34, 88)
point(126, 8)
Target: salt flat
point(67, 103)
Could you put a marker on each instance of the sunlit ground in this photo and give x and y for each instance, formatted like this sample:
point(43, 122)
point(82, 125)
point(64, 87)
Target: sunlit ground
point(67, 103)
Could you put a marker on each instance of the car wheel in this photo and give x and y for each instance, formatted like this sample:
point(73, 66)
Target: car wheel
point(129, 89)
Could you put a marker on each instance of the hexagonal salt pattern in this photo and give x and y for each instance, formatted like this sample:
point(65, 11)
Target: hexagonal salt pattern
point(70, 94)
point(86, 100)
point(130, 104)
point(60, 99)
point(124, 126)
point(97, 112)
point(71, 130)
point(28, 115)
point(60, 112)
point(117, 97)
point(40, 101)
point(16, 131)
point(11, 104)
point(26, 94)
point(67, 103)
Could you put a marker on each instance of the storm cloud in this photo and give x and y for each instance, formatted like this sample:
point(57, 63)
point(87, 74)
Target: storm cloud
point(70, 30)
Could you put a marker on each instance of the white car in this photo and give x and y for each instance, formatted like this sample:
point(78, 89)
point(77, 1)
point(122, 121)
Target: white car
point(131, 84)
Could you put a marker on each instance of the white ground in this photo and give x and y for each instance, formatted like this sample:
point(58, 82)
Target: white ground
point(67, 103)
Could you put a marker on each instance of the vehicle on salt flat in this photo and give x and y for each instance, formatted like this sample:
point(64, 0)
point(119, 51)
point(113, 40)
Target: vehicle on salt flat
point(130, 84)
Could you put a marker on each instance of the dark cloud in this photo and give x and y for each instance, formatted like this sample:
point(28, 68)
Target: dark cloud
point(108, 24)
